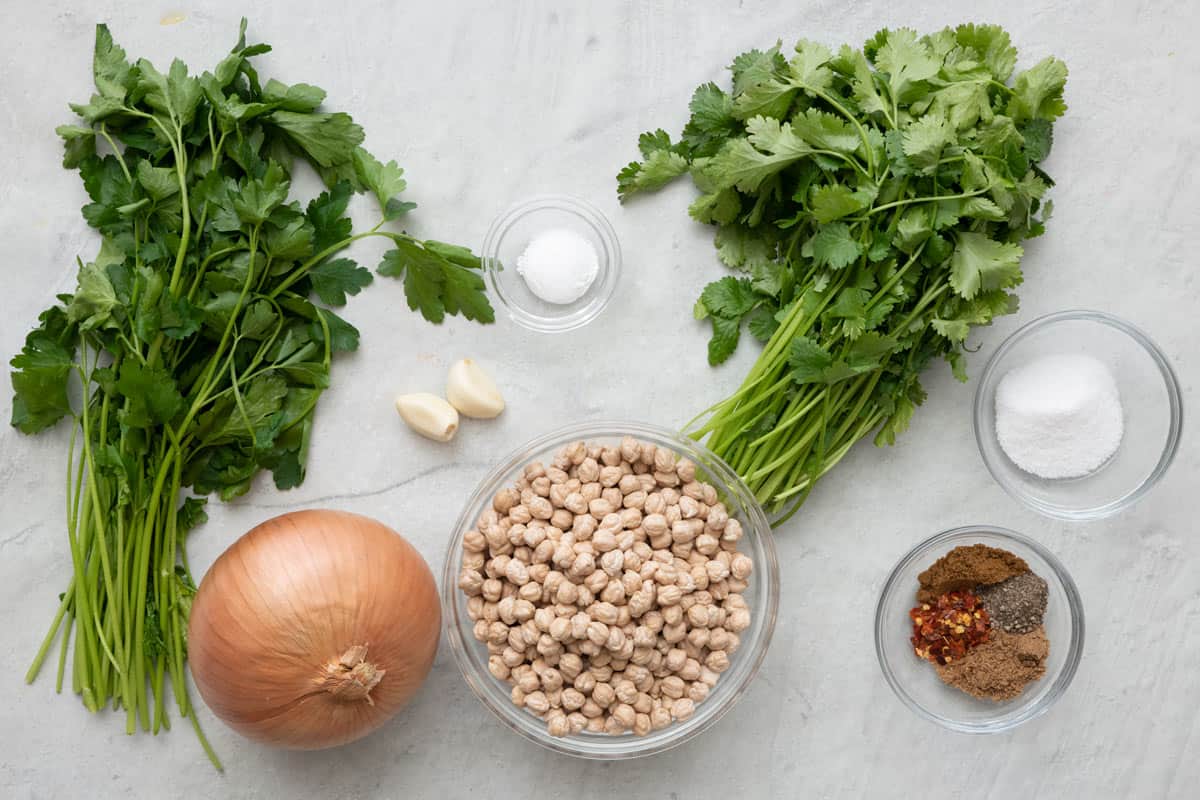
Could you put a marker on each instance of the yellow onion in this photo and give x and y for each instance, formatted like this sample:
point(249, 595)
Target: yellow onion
point(313, 629)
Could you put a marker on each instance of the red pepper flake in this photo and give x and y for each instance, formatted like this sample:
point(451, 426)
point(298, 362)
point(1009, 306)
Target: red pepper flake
point(945, 629)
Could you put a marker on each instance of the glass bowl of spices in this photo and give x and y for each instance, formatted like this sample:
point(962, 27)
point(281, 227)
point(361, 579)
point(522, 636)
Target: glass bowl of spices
point(979, 629)
point(610, 634)
point(553, 261)
point(1078, 414)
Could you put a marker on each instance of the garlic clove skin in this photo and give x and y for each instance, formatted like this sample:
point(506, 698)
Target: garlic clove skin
point(428, 415)
point(472, 391)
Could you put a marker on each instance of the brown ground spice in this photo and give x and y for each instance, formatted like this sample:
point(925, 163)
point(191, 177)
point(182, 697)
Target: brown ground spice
point(1000, 668)
point(966, 567)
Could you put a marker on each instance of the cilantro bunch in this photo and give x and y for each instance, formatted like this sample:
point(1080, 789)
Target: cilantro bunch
point(871, 203)
point(192, 353)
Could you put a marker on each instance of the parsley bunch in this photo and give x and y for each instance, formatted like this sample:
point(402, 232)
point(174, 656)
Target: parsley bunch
point(872, 203)
point(191, 353)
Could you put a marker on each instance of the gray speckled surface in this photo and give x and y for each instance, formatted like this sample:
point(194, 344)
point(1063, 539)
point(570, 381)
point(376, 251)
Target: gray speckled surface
point(486, 103)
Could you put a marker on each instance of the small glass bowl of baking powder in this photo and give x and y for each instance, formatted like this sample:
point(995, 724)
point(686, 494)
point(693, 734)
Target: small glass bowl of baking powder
point(915, 681)
point(1151, 407)
point(547, 222)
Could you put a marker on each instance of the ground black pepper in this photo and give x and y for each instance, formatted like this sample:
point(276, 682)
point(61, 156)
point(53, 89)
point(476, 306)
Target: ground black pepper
point(1017, 604)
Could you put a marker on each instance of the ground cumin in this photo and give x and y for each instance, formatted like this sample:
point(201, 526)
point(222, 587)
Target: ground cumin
point(966, 567)
point(1000, 668)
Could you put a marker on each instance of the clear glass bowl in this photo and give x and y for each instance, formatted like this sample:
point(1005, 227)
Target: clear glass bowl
point(915, 681)
point(762, 596)
point(508, 237)
point(1150, 396)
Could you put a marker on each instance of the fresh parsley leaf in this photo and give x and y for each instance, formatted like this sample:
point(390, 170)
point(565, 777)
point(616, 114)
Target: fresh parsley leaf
point(151, 395)
point(434, 285)
point(328, 139)
point(333, 279)
point(385, 181)
point(326, 214)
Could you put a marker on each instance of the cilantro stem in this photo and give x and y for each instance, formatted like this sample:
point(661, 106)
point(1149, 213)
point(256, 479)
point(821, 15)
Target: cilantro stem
point(907, 201)
point(841, 109)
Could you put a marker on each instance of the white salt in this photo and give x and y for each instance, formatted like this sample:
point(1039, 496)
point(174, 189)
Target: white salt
point(559, 266)
point(1059, 416)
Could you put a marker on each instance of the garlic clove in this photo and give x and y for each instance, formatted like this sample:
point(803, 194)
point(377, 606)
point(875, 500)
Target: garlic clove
point(472, 391)
point(428, 415)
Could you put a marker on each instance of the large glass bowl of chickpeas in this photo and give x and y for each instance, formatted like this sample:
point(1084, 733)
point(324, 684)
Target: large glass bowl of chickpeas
point(610, 590)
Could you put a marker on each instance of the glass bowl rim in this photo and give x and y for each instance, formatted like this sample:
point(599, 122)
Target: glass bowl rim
point(755, 651)
point(1174, 399)
point(610, 256)
point(1074, 608)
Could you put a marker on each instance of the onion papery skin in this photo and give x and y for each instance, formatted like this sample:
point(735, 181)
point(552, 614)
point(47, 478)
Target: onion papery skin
point(313, 629)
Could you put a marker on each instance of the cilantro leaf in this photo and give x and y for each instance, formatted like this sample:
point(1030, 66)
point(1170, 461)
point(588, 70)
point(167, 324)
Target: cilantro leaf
point(907, 61)
point(724, 340)
point(826, 131)
point(660, 168)
point(756, 66)
point(833, 201)
point(1038, 135)
point(747, 162)
point(741, 248)
point(833, 246)
point(191, 514)
point(912, 229)
point(993, 46)
point(924, 139)
point(712, 121)
point(729, 297)
point(808, 68)
point(808, 360)
point(762, 324)
point(980, 263)
point(1038, 92)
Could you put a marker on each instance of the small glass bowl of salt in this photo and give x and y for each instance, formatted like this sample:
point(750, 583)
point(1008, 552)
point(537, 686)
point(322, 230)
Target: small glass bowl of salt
point(553, 262)
point(1078, 414)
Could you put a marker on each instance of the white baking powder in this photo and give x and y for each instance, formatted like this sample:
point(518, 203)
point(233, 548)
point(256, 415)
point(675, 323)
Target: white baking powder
point(559, 266)
point(1059, 416)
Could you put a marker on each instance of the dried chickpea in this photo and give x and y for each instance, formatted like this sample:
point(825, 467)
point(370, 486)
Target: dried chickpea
point(557, 725)
point(624, 714)
point(681, 709)
point(609, 579)
point(660, 718)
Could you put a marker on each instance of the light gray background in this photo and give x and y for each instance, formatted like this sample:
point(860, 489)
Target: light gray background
point(485, 104)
